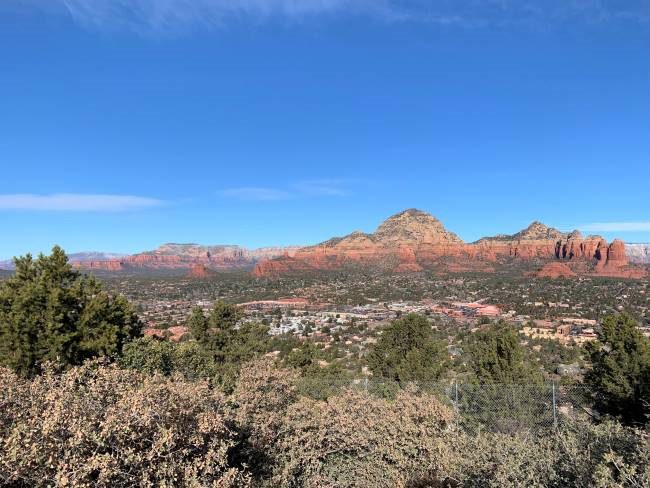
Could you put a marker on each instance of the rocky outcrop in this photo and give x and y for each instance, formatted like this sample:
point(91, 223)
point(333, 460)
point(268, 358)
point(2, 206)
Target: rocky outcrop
point(413, 227)
point(638, 253)
point(613, 262)
point(200, 272)
point(407, 261)
point(412, 241)
point(408, 242)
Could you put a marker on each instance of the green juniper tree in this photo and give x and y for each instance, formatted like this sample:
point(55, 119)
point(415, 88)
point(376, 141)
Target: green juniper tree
point(50, 312)
point(197, 323)
point(408, 351)
point(496, 357)
point(621, 369)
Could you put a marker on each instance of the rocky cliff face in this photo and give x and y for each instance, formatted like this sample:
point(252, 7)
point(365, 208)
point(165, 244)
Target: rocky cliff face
point(80, 257)
point(200, 272)
point(413, 240)
point(190, 257)
point(408, 242)
point(638, 253)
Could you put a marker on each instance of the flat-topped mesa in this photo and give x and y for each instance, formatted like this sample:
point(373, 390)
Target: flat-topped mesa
point(187, 256)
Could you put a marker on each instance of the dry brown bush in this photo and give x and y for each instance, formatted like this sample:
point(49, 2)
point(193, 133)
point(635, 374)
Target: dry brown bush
point(357, 440)
point(97, 425)
point(263, 394)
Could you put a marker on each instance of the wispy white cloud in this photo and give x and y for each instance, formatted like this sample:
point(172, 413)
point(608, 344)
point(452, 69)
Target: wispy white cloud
point(321, 187)
point(171, 15)
point(301, 189)
point(76, 202)
point(617, 227)
point(255, 193)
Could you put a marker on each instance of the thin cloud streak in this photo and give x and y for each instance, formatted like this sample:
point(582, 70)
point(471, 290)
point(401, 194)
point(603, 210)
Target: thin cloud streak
point(161, 16)
point(76, 202)
point(617, 227)
point(254, 193)
point(321, 188)
point(301, 189)
point(171, 15)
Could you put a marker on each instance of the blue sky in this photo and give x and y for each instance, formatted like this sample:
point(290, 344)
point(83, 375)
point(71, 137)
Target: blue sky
point(128, 123)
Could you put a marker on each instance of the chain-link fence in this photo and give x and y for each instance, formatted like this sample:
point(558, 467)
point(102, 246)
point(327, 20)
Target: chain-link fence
point(493, 407)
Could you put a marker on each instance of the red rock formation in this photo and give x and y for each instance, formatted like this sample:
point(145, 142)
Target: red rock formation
point(407, 261)
point(199, 272)
point(410, 241)
point(416, 240)
point(616, 254)
point(613, 262)
point(186, 256)
point(109, 265)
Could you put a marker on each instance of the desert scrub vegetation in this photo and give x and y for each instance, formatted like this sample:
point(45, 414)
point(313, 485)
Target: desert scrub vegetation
point(207, 413)
point(100, 425)
point(355, 439)
point(97, 425)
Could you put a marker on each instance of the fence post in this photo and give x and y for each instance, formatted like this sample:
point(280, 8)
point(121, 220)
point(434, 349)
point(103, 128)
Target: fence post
point(456, 395)
point(554, 406)
point(365, 384)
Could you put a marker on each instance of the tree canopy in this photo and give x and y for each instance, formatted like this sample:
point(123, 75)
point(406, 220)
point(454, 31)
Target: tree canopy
point(408, 351)
point(51, 312)
point(497, 357)
point(621, 369)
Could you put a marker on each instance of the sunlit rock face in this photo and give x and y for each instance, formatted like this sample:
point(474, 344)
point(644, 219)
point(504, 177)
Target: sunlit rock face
point(638, 253)
point(413, 240)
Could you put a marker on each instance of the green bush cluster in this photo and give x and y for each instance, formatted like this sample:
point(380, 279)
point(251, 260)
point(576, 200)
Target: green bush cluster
point(50, 312)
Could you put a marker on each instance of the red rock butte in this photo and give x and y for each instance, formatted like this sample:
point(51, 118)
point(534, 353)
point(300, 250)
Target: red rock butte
point(413, 240)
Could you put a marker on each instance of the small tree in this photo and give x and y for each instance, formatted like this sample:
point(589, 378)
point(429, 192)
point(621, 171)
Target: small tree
point(50, 312)
point(407, 351)
point(621, 369)
point(197, 323)
point(228, 343)
point(224, 315)
point(496, 357)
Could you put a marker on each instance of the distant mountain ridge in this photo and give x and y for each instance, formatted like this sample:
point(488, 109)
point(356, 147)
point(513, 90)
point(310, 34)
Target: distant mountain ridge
point(78, 257)
point(409, 241)
point(413, 240)
point(189, 256)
